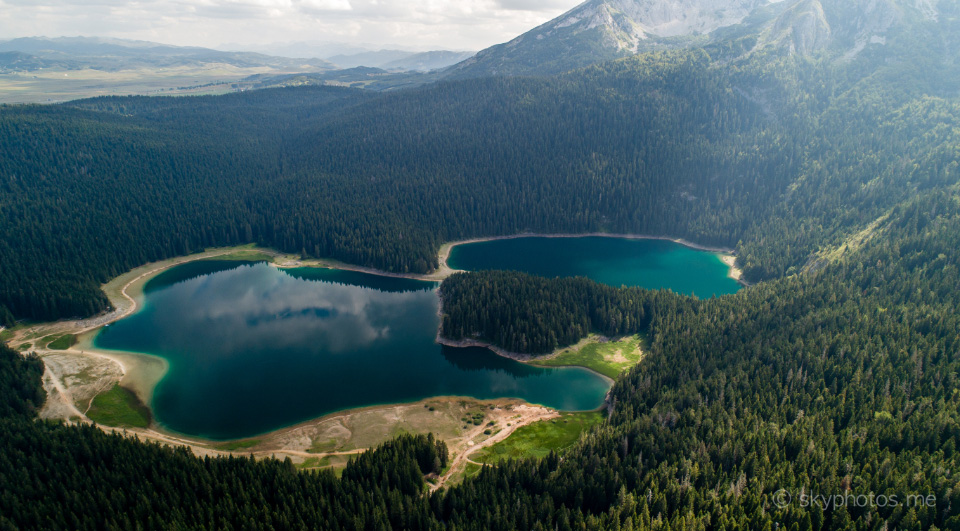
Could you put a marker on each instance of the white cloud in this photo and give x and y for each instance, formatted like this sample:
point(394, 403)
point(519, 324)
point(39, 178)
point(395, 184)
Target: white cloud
point(414, 24)
point(325, 5)
point(534, 5)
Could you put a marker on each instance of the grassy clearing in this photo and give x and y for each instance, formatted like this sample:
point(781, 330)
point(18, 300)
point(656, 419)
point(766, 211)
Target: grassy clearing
point(8, 333)
point(468, 470)
point(540, 438)
point(61, 342)
point(471, 470)
point(335, 462)
point(234, 446)
point(119, 407)
point(610, 358)
point(247, 253)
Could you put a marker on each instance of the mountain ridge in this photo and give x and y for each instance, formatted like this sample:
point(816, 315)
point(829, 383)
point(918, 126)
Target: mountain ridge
point(602, 30)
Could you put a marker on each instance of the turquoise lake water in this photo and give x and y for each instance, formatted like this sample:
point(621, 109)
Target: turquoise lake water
point(253, 348)
point(652, 264)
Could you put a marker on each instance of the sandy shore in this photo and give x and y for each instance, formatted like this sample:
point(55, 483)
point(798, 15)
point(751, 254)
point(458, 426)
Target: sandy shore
point(466, 343)
point(330, 440)
point(734, 272)
point(75, 375)
point(444, 270)
point(141, 373)
point(725, 253)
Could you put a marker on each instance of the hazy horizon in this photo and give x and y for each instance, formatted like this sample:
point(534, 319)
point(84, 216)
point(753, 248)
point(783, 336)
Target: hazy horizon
point(255, 25)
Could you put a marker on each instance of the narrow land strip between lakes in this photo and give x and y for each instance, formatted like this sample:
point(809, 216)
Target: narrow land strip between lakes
point(125, 291)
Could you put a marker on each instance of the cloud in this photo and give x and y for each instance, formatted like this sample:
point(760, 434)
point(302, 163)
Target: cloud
point(412, 24)
point(534, 5)
point(325, 5)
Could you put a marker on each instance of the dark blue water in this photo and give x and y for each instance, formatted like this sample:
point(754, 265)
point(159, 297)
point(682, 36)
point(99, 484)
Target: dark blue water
point(252, 348)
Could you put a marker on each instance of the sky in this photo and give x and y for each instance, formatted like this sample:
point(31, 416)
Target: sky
point(412, 24)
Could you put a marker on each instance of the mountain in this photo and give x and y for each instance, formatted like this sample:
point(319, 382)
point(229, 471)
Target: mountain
point(401, 59)
point(844, 27)
point(427, 61)
point(113, 55)
point(600, 30)
point(375, 59)
point(820, 138)
point(299, 49)
point(23, 62)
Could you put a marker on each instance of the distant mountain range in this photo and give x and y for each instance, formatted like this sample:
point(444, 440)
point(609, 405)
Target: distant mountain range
point(401, 60)
point(593, 32)
point(600, 30)
point(111, 55)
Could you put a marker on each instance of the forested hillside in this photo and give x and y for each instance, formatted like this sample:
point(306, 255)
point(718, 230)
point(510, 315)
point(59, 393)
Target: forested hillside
point(780, 156)
point(95, 188)
point(835, 382)
point(835, 177)
point(77, 477)
point(830, 383)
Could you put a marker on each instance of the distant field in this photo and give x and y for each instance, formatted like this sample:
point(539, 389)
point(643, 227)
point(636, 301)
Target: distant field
point(60, 86)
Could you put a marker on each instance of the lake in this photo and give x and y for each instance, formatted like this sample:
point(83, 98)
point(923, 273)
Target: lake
point(647, 263)
point(253, 348)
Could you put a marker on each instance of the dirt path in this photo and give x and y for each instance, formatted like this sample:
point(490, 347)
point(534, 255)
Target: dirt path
point(523, 415)
point(64, 391)
point(123, 307)
point(61, 402)
point(64, 398)
point(120, 313)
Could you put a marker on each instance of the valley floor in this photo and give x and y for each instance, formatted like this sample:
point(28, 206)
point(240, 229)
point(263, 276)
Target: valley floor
point(74, 376)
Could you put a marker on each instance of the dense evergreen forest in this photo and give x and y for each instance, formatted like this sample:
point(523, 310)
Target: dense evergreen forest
point(837, 182)
point(776, 156)
point(837, 381)
point(77, 477)
point(665, 143)
point(529, 314)
point(842, 381)
point(95, 188)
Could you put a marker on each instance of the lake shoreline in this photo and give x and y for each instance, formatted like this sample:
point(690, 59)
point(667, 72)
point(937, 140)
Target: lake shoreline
point(528, 359)
point(142, 372)
point(726, 254)
point(443, 270)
